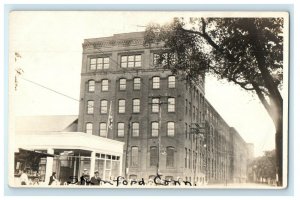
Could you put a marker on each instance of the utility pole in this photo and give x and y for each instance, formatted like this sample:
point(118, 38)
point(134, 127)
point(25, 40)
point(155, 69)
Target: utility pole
point(159, 128)
point(196, 131)
point(127, 149)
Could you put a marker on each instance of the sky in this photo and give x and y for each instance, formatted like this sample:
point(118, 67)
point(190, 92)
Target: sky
point(50, 44)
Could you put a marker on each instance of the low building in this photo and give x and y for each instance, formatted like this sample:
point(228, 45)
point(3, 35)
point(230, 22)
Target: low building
point(52, 148)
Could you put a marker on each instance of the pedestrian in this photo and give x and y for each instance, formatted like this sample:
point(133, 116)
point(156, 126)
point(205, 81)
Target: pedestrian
point(53, 180)
point(95, 180)
point(85, 178)
point(24, 178)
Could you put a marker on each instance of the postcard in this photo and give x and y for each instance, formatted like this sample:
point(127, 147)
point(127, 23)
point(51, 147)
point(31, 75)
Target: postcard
point(123, 99)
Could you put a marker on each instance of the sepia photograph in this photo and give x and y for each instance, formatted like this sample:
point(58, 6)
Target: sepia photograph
point(132, 99)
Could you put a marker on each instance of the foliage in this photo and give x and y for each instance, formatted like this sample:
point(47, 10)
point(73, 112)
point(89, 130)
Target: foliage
point(265, 166)
point(227, 47)
point(246, 51)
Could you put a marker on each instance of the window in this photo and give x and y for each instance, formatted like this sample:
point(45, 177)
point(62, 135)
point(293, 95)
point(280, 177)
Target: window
point(104, 85)
point(186, 130)
point(131, 61)
point(122, 84)
point(186, 106)
point(103, 106)
point(135, 129)
point(200, 117)
point(133, 177)
point(171, 82)
point(153, 156)
point(194, 112)
point(137, 83)
point(170, 156)
point(121, 106)
point(155, 105)
point(154, 129)
point(171, 129)
point(155, 82)
point(121, 129)
point(186, 158)
point(99, 63)
point(102, 131)
point(91, 87)
point(136, 105)
point(89, 128)
point(160, 59)
point(134, 156)
point(171, 104)
point(90, 107)
point(163, 59)
point(190, 159)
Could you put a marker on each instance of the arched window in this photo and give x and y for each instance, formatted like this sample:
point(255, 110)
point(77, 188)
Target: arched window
point(90, 107)
point(170, 156)
point(134, 156)
point(155, 105)
point(171, 129)
point(171, 82)
point(103, 106)
point(104, 85)
point(137, 83)
point(91, 86)
point(122, 84)
point(122, 106)
point(154, 129)
point(153, 156)
point(121, 129)
point(102, 130)
point(155, 82)
point(135, 129)
point(89, 128)
point(171, 104)
point(136, 105)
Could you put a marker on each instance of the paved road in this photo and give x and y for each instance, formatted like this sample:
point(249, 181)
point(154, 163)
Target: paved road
point(242, 186)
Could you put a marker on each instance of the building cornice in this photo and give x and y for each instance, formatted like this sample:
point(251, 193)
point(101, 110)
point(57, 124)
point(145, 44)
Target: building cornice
point(112, 43)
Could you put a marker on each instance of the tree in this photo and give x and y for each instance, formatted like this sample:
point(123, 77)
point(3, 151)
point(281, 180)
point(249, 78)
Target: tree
point(246, 51)
point(264, 166)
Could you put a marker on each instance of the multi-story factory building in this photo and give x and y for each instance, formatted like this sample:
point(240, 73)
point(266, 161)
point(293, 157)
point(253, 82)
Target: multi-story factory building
point(166, 123)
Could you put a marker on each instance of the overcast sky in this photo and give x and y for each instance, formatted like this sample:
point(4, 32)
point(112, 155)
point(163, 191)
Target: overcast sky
point(50, 46)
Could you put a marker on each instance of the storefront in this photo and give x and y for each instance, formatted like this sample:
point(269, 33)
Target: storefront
point(68, 154)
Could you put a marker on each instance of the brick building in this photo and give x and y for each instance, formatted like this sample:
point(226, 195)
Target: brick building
point(166, 123)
